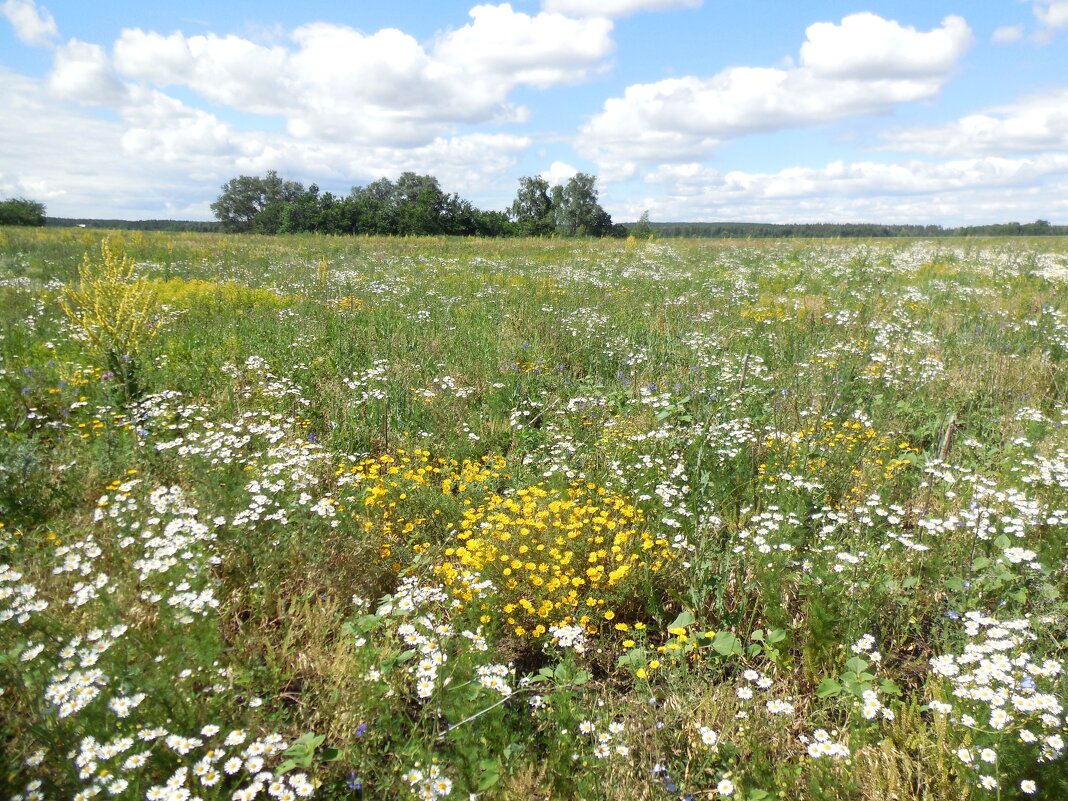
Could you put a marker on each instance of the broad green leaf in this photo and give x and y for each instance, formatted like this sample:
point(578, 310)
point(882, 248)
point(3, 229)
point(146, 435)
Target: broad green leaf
point(828, 688)
point(726, 643)
point(684, 620)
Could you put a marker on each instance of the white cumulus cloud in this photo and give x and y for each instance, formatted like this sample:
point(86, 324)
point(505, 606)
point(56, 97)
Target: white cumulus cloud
point(862, 65)
point(867, 47)
point(32, 25)
point(1053, 14)
point(336, 83)
point(1033, 124)
point(957, 191)
point(559, 173)
point(82, 71)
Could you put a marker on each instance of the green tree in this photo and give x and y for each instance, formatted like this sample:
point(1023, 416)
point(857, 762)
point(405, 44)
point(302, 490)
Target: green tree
point(20, 211)
point(302, 213)
point(643, 230)
point(250, 203)
point(532, 208)
point(577, 210)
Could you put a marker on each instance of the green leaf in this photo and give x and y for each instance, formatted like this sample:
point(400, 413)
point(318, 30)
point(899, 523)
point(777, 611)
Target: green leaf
point(725, 643)
point(776, 635)
point(828, 688)
point(910, 581)
point(288, 765)
point(757, 635)
point(890, 687)
point(306, 744)
point(857, 665)
point(1003, 542)
point(954, 583)
point(488, 779)
point(684, 620)
point(980, 562)
point(632, 658)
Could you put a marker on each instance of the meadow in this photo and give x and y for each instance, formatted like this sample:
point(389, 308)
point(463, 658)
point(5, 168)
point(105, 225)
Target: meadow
point(290, 517)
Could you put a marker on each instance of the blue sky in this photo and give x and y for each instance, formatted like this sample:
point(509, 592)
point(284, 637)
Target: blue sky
point(928, 112)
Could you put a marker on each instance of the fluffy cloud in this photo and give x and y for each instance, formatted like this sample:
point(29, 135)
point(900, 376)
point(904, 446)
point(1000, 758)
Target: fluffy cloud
point(1008, 34)
point(1034, 124)
point(82, 71)
point(162, 157)
point(614, 8)
point(1053, 14)
point(559, 173)
point(867, 47)
point(995, 188)
point(466, 163)
point(162, 129)
point(338, 84)
point(864, 64)
point(32, 25)
point(356, 106)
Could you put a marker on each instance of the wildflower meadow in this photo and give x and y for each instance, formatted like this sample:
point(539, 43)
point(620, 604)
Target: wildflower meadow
point(370, 518)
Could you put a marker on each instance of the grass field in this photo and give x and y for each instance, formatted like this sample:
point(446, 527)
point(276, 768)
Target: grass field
point(417, 518)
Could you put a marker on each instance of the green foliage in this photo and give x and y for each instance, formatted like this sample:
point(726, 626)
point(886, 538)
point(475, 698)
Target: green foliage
point(414, 205)
point(532, 209)
point(20, 211)
point(571, 209)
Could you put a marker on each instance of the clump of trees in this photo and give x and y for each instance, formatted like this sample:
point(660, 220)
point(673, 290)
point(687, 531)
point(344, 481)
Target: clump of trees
point(20, 211)
point(411, 205)
point(569, 210)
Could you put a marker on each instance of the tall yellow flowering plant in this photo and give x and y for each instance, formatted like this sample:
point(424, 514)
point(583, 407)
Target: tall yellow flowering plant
point(112, 310)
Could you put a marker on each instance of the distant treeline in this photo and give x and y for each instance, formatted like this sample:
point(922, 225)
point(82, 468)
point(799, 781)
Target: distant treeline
point(413, 205)
point(845, 230)
point(133, 225)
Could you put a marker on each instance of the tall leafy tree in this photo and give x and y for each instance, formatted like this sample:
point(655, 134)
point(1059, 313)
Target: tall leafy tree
point(578, 212)
point(532, 208)
point(246, 197)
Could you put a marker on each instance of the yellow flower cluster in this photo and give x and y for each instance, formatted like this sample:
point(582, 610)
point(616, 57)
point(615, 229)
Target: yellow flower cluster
point(554, 557)
point(396, 494)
